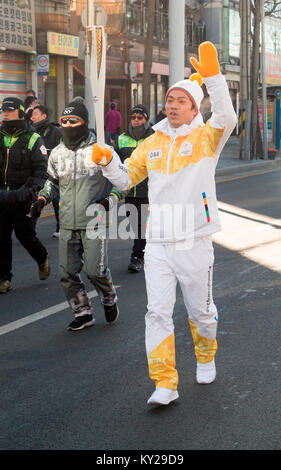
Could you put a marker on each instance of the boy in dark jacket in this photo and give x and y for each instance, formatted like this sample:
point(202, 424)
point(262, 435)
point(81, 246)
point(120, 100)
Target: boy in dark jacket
point(138, 129)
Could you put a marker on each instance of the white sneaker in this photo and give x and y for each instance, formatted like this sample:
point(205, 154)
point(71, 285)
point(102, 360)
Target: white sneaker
point(206, 373)
point(162, 396)
point(56, 235)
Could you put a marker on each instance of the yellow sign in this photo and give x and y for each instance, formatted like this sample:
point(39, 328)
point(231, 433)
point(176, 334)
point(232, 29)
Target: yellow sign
point(62, 44)
point(52, 65)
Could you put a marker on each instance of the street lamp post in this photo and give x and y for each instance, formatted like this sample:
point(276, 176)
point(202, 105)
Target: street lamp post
point(176, 40)
point(264, 94)
point(245, 102)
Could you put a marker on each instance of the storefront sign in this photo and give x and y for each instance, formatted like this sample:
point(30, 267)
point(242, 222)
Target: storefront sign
point(53, 70)
point(17, 25)
point(269, 110)
point(63, 44)
point(273, 69)
point(162, 69)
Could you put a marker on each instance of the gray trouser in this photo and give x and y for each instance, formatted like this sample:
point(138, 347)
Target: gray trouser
point(77, 251)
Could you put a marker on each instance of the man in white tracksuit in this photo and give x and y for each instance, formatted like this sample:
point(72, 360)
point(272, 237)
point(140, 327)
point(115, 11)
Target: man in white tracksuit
point(180, 160)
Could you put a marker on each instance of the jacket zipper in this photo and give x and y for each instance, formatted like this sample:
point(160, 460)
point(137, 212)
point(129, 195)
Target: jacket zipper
point(6, 167)
point(8, 147)
point(74, 192)
point(169, 154)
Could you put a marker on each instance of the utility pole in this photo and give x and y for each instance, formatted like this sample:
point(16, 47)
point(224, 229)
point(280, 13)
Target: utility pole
point(245, 102)
point(176, 40)
point(264, 94)
point(148, 49)
point(88, 88)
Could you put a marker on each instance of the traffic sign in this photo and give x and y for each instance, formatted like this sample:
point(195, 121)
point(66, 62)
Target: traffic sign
point(43, 64)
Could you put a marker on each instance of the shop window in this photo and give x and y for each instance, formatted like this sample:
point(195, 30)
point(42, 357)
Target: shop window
point(195, 32)
point(137, 18)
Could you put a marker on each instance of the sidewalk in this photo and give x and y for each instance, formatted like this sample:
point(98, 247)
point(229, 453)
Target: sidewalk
point(230, 167)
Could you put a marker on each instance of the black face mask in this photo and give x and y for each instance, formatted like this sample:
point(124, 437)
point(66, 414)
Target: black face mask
point(73, 136)
point(13, 126)
point(138, 132)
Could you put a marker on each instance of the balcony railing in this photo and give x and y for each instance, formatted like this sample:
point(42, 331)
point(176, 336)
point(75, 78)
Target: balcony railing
point(195, 32)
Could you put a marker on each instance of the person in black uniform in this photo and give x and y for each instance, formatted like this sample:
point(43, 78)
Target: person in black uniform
point(51, 134)
point(22, 155)
point(138, 130)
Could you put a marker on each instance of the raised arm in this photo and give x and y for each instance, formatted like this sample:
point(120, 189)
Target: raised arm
point(223, 114)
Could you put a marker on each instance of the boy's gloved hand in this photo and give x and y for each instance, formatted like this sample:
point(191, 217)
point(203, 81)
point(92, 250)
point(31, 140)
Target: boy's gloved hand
point(101, 156)
point(208, 57)
point(36, 208)
point(109, 201)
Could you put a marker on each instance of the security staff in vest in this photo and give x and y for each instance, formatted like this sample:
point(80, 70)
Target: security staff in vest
point(22, 155)
point(138, 129)
point(52, 135)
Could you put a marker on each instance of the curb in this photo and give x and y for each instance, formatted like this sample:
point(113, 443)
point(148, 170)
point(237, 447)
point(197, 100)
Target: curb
point(247, 169)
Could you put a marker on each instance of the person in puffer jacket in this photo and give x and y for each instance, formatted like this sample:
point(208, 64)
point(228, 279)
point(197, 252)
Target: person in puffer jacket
point(137, 198)
point(179, 160)
point(85, 189)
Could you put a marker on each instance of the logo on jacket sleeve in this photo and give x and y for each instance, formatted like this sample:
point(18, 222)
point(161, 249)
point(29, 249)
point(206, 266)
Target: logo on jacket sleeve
point(154, 154)
point(186, 149)
point(43, 150)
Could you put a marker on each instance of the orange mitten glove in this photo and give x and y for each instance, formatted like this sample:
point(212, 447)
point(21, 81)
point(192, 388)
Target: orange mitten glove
point(101, 156)
point(208, 57)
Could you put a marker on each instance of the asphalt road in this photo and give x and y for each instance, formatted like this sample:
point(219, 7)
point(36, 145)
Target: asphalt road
point(88, 390)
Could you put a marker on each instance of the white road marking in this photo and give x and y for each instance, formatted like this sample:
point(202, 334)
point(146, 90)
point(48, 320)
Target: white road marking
point(39, 315)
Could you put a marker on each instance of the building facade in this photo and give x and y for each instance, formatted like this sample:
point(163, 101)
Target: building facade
point(33, 32)
point(125, 23)
point(17, 48)
point(59, 47)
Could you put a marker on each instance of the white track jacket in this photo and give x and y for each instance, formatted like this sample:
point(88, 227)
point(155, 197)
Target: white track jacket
point(180, 165)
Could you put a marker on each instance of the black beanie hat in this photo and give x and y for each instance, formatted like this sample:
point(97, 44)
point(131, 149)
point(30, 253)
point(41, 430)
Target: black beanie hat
point(76, 109)
point(140, 109)
point(11, 103)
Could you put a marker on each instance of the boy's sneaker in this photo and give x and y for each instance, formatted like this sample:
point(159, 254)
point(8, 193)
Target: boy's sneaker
point(5, 286)
point(81, 322)
point(162, 396)
point(44, 269)
point(206, 373)
point(56, 234)
point(135, 265)
point(111, 313)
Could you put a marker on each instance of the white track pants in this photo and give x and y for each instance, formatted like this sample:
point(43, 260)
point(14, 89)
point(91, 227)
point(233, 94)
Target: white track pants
point(193, 269)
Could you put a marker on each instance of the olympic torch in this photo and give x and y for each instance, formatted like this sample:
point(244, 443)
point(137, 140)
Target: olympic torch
point(97, 42)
